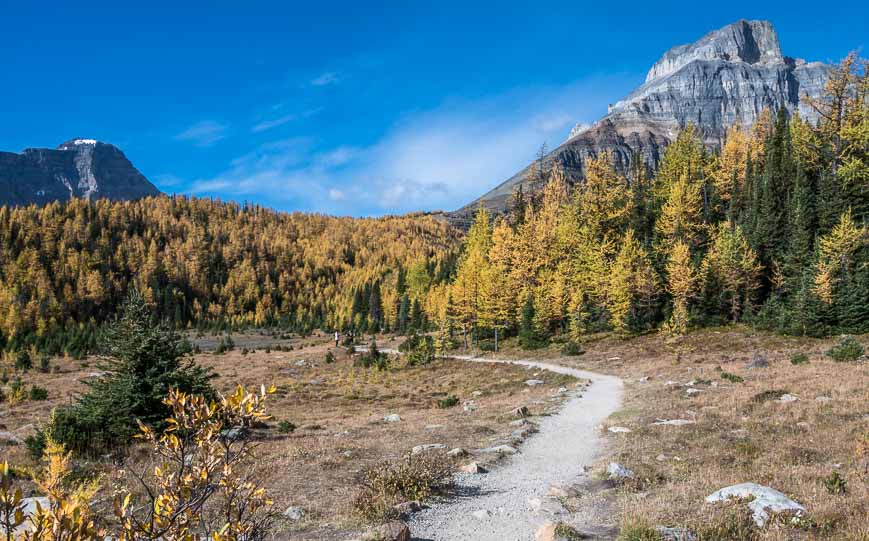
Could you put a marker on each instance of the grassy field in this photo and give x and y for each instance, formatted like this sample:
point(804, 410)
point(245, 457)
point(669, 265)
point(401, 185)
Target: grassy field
point(815, 449)
point(328, 417)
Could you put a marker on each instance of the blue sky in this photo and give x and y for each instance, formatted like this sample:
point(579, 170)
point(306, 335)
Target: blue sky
point(357, 108)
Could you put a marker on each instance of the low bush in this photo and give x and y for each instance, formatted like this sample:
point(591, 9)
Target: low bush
point(835, 483)
point(373, 358)
point(848, 349)
point(418, 349)
point(799, 358)
point(38, 393)
point(285, 427)
point(448, 402)
point(572, 348)
point(330, 357)
point(23, 361)
point(732, 378)
point(413, 478)
point(45, 364)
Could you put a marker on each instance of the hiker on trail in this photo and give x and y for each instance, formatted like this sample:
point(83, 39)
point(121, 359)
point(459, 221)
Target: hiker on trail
point(337, 337)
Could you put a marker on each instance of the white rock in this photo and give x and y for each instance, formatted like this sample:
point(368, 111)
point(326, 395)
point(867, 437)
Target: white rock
point(673, 422)
point(457, 452)
point(619, 429)
point(433, 427)
point(614, 359)
point(482, 514)
point(469, 406)
point(392, 418)
point(693, 391)
point(786, 398)
point(294, 513)
point(765, 500)
point(533, 382)
point(500, 450)
point(618, 472)
point(427, 447)
point(823, 398)
point(472, 467)
point(477, 393)
point(535, 504)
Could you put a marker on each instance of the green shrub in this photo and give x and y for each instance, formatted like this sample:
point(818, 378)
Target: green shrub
point(23, 362)
point(448, 402)
point(372, 358)
point(285, 427)
point(45, 364)
point(486, 345)
point(638, 531)
point(38, 393)
point(330, 357)
point(848, 349)
point(572, 348)
point(835, 483)
point(732, 378)
point(799, 358)
point(35, 444)
point(419, 349)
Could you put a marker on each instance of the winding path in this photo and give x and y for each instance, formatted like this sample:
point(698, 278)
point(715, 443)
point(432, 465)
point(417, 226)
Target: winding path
point(557, 454)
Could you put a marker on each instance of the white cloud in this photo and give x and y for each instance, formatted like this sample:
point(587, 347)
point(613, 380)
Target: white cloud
point(325, 79)
point(273, 123)
point(437, 159)
point(203, 134)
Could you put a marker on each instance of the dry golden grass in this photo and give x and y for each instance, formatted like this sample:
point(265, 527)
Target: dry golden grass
point(338, 411)
point(741, 433)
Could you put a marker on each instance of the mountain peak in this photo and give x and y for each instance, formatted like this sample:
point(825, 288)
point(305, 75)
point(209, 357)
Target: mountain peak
point(73, 144)
point(752, 42)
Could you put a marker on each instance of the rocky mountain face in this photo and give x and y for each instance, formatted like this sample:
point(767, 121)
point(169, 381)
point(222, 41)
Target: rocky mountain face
point(82, 168)
point(727, 77)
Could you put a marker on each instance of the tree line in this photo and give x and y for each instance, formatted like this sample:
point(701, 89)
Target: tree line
point(206, 264)
point(770, 229)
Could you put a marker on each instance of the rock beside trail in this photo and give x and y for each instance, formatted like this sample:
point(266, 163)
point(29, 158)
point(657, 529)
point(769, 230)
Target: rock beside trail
point(392, 418)
point(427, 447)
point(457, 452)
point(294, 513)
point(557, 531)
point(534, 382)
point(391, 531)
point(758, 361)
point(673, 422)
point(472, 467)
point(500, 450)
point(407, 508)
point(675, 534)
point(481, 514)
point(765, 500)
point(619, 429)
point(617, 472)
point(8, 438)
point(786, 398)
point(521, 412)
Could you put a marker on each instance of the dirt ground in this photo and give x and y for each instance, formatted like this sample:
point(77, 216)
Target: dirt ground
point(338, 413)
point(739, 431)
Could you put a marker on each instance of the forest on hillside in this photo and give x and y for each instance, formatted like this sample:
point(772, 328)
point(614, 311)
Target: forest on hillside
point(65, 268)
point(770, 230)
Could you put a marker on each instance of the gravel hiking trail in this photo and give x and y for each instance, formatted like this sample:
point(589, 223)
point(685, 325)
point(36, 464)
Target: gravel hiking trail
point(495, 506)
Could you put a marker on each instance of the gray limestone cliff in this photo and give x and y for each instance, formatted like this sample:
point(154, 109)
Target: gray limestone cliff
point(79, 168)
point(727, 77)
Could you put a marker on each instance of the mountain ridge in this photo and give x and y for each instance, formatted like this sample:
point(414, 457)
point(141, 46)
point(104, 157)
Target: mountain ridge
point(727, 77)
point(79, 168)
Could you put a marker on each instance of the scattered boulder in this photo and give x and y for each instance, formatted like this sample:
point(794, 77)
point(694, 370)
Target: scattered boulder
point(469, 406)
point(8, 438)
point(673, 422)
point(557, 531)
point(534, 382)
point(407, 508)
point(294, 513)
point(519, 422)
point(661, 457)
point(619, 429)
point(787, 398)
point(617, 472)
point(547, 532)
point(392, 418)
point(427, 447)
point(433, 427)
point(472, 467)
point(477, 394)
point(823, 399)
point(758, 361)
point(457, 452)
point(500, 450)
point(521, 412)
point(482, 514)
point(559, 491)
point(765, 500)
point(692, 390)
point(675, 534)
point(391, 531)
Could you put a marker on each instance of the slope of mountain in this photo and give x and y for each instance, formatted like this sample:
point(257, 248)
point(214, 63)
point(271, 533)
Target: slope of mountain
point(82, 168)
point(727, 77)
